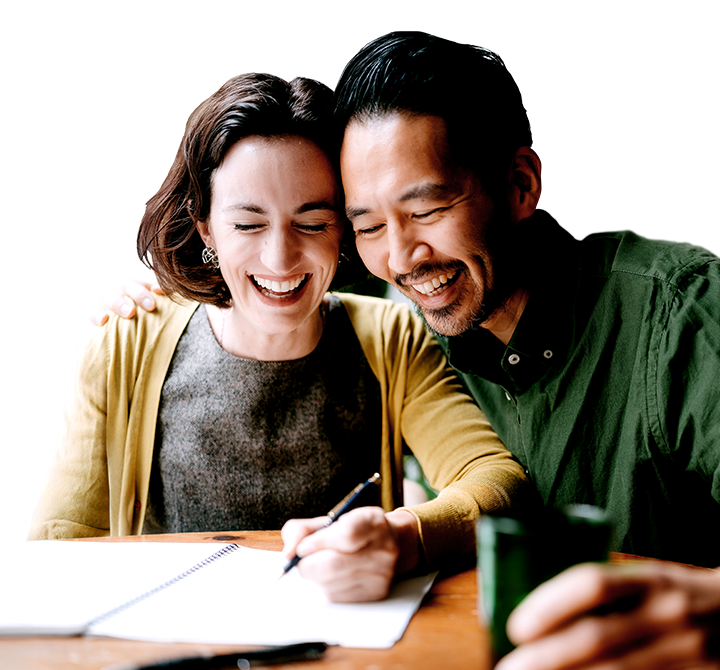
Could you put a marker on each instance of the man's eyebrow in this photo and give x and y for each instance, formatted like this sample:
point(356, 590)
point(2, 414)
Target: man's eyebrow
point(354, 212)
point(256, 209)
point(429, 190)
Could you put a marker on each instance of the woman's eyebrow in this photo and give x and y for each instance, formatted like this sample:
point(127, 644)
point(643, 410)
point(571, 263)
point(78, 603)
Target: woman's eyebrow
point(256, 209)
point(245, 207)
point(312, 206)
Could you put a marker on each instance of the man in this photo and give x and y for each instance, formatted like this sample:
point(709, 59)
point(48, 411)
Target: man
point(593, 360)
point(596, 361)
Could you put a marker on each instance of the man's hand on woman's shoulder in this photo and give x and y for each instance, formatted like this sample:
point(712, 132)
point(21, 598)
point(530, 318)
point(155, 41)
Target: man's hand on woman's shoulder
point(124, 301)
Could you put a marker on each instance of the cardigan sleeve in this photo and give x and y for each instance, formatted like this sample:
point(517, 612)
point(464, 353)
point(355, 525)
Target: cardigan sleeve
point(75, 500)
point(431, 412)
point(98, 485)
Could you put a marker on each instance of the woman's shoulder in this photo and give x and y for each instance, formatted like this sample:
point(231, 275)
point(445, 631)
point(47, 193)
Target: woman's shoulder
point(354, 302)
point(382, 317)
point(167, 320)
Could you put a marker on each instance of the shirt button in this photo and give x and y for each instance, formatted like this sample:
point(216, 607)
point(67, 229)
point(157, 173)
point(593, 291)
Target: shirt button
point(547, 353)
point(513, 359)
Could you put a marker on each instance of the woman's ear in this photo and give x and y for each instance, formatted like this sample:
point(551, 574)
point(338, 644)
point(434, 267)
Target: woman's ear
point(203, 227)
point(525, 183)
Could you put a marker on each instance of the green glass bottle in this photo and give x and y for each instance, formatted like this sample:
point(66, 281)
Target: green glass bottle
point(514, 555)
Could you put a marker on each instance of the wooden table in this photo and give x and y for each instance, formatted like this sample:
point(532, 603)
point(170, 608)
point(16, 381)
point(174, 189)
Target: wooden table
point(444, 633)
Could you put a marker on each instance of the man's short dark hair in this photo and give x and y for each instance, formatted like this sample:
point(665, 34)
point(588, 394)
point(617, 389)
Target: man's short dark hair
point(468, 86)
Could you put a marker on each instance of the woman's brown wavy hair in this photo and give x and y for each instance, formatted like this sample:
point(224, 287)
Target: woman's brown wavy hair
point(251, 104)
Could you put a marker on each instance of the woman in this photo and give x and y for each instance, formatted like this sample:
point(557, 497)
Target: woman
point(255, 396)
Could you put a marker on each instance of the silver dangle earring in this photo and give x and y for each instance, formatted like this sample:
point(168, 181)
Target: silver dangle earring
point(209, 255)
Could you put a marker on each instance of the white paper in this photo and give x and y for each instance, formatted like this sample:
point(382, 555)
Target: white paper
point(58, 587)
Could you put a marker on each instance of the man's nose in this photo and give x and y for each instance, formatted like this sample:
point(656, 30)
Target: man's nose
point(407, 249)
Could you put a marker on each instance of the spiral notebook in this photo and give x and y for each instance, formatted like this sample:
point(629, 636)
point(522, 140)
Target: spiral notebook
point(185, 592)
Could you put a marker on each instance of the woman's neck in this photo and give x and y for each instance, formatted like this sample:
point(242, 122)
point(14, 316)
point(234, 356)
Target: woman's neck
point(241, 340)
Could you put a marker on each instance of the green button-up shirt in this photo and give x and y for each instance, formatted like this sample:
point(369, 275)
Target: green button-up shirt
point(609, 390)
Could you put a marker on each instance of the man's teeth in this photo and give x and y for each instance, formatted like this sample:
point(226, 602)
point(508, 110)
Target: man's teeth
point(279, 287)
point(435, 285)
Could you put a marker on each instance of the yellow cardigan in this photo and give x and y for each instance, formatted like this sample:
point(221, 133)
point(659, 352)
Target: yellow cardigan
point(99, 484)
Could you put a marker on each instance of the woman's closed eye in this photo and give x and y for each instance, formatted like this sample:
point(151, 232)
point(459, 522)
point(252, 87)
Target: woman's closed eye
point(312, 227)
point(248, 227)
point(302, 226)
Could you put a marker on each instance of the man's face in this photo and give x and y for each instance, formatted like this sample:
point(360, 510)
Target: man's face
point(424, 223)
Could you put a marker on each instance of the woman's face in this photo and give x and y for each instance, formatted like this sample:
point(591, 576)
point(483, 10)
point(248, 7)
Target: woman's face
point(275, 224)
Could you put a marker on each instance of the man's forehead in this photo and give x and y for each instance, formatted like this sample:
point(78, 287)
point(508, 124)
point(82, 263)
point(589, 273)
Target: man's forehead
point(394, 124)
point(395, 140)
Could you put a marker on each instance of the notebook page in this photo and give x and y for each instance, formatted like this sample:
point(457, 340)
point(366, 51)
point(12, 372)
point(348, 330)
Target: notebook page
point(241, 600)
point(59, 586)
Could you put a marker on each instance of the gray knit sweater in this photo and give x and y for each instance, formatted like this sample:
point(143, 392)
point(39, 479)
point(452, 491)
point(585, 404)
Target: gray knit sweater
point(243, 444)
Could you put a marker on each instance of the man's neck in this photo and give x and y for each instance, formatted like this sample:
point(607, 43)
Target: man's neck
point(503, 322)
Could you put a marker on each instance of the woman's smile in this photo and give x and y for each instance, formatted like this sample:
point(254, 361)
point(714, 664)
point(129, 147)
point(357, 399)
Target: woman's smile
point(278, 289)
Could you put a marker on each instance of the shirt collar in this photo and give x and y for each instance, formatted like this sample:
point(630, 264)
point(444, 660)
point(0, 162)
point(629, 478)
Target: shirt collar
point(543, 331)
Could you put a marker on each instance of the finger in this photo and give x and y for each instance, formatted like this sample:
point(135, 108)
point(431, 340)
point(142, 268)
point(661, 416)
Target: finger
point(100, 317)
point(363, 576)
point(588, 639)
point(583, 588)
point(351, 532)
point(152, 284)
point(575, 591)
point(294, 530)
point(141, 294)
point(675, 650)
point(678, 650)
point(121, 305)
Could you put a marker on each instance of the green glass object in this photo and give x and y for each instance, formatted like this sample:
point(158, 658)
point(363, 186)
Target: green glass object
point(514, 555)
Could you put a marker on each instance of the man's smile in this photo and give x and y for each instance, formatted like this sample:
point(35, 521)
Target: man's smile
point(436, 285)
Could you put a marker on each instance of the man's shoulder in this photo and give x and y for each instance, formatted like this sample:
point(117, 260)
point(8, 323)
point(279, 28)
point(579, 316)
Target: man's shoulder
point(627, 253)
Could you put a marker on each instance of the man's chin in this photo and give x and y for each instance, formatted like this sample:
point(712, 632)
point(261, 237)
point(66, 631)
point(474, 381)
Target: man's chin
point(449, 321)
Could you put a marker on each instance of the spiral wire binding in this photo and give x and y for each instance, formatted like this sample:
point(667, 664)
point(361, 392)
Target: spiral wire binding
point(144, 596)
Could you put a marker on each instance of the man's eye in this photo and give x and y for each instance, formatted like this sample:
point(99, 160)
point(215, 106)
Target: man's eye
point(425, 215)
point(368, 230)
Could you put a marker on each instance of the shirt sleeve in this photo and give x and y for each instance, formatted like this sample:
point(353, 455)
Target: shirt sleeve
point(684, 371)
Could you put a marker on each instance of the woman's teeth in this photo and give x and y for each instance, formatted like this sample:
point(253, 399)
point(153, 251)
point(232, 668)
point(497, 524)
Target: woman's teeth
point(435, 285)
point(279, 288)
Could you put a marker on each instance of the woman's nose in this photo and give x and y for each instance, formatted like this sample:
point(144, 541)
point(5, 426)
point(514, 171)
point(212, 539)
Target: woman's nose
point(281, 254)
